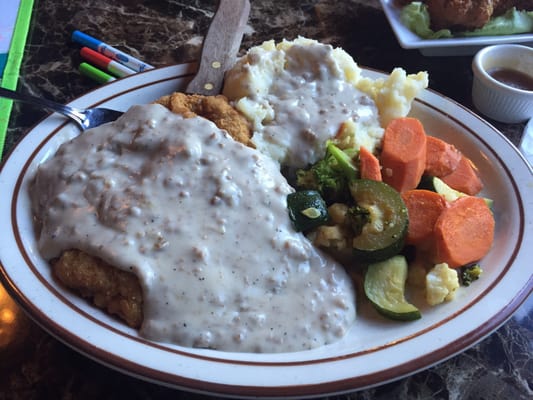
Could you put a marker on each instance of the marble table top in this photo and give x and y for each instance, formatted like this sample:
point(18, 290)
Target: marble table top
point(37, 366)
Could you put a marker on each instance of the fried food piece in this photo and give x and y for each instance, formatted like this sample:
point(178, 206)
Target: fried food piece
point(214, 108)
point(469, 14)
point(112, 289)
point(501, 6)
point(116, 291)
point(459, 14)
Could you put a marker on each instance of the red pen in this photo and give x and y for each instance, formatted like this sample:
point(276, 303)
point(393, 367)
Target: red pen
point(106, 63)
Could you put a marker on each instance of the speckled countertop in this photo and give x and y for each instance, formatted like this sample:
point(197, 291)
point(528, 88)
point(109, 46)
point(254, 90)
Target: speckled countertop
point(34, 365)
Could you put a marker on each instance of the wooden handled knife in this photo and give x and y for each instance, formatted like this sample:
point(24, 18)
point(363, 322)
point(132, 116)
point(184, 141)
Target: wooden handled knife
point(220, 47)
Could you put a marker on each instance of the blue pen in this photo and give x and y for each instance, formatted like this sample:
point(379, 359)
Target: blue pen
point(109, 51)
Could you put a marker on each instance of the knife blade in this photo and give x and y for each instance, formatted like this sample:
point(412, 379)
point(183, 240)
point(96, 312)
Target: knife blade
point(220, 47)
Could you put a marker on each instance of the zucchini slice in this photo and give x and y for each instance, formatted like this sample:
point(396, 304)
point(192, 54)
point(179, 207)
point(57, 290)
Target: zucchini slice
point(307, 209)
point(383, 235)
point(436, 184)
point(384, 286)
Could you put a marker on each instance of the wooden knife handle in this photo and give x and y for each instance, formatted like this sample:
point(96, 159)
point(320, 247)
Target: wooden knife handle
point(220, 47)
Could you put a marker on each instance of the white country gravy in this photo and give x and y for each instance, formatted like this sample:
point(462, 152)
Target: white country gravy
point(202, 221)
point(298, 98)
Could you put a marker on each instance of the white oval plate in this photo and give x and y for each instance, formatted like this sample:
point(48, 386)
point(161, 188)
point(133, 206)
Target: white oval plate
point(375, 351)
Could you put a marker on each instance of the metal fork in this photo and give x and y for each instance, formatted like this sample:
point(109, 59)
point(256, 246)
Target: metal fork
point(86, 119)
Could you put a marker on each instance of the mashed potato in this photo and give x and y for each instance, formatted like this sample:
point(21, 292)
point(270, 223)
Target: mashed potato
point(299, 94)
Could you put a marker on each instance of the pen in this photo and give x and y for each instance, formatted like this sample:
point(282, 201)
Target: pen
point(95, 74)
point(105, 63)
point(109, 51)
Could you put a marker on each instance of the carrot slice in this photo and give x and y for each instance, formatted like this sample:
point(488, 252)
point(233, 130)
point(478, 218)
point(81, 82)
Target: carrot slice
point(464, 178)
point(442, 158)
point(369, 165)
point(424, 208)
point(464, 232)
point(403, 155)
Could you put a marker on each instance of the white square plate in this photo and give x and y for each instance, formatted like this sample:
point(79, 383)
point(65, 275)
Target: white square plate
point(445, 47)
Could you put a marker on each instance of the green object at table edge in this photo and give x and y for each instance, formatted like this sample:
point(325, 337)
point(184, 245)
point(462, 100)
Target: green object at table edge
point(10, 77)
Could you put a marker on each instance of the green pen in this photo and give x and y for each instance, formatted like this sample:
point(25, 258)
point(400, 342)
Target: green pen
point(95, 74)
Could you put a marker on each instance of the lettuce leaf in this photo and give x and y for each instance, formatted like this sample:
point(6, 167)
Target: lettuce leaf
point(510, 23)
point(416, 18)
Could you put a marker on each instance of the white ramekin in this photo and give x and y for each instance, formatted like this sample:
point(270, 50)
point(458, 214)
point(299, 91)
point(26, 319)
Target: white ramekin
point(495, 99)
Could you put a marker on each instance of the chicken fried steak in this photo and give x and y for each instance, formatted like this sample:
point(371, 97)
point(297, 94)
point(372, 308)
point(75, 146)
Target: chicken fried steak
point(215, 108)
point(116, 291)
point(109, 288)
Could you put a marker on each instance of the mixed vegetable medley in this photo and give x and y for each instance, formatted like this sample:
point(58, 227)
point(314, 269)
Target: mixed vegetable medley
point(409, 215)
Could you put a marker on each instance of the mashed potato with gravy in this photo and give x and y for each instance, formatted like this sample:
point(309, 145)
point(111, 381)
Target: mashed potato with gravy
point(299, 94)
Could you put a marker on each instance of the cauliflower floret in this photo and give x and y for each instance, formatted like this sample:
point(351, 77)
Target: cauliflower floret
point(354, 134)
point(331, 237)
point(441, 284)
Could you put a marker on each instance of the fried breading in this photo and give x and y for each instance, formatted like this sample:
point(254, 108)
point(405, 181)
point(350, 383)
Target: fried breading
point(469, 14)
point(459, 14)
point(116, 291)
point(214, 108)
point(501, 6)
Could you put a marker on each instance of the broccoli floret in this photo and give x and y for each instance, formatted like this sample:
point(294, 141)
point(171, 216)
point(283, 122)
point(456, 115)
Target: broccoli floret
point(358, 217)
point(327, 176)
point(344, 161)
point(324, 178)
point(470, 273)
